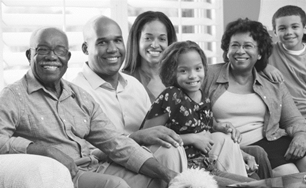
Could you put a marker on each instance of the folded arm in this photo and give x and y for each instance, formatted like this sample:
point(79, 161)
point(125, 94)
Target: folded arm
point(10, 114)
point(39, 149)
point(295, 125)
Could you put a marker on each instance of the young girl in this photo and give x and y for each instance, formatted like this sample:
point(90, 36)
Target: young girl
point(183, 108)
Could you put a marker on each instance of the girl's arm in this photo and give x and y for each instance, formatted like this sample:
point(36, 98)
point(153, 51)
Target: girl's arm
point(188, 139)
point(154, 132)
point(251, 165)
point(199, 140)
point(159, 120)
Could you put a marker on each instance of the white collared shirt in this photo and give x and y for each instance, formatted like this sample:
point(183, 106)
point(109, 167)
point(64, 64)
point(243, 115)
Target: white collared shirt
point(125, 106)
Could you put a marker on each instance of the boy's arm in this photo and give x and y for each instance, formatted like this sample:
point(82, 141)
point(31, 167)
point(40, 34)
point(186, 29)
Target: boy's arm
point(251, 165)
point(273, 73)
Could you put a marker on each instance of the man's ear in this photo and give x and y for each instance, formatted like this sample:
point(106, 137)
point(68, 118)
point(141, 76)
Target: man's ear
point(69, 55)
point(84, 48)
point(28, 55)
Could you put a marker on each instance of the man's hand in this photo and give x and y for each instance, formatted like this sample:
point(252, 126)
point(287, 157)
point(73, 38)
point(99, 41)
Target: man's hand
point(158, 135)
point(228, 128)
point(297, 147)
point(54, 153)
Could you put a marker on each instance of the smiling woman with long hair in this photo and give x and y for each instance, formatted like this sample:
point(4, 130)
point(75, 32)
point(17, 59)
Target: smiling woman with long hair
point(151, 33)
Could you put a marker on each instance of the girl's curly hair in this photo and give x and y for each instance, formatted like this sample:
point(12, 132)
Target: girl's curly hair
point(257, 31)
point(170, 57)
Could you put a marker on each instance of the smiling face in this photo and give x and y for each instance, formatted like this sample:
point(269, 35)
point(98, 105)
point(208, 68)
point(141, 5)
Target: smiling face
point(50, 67)
point(105, 48)
point(290, 31)
point(190, 71)
point(153, 41)
point(243, 52)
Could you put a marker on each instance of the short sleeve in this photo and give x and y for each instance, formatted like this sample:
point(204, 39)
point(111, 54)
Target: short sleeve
point(167, 102)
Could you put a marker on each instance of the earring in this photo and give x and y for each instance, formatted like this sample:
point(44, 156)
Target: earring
point(259, 57)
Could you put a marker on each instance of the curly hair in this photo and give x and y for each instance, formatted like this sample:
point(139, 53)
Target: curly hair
point(133, 58)
point(170, 58)
point(289, 10)
point(257, 31)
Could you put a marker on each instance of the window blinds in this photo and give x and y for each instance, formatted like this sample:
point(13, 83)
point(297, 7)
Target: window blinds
point(197, 20)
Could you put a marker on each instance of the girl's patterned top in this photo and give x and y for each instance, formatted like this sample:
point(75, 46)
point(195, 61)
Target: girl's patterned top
point(185, 115)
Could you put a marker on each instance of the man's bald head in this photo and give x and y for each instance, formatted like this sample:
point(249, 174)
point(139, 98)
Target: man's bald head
point(104, 46)
point(39, 33)
point(90, 27)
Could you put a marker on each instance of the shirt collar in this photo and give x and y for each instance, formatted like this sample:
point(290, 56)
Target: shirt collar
point(224, 75)
point(32, 82)
point(34, 85)
point(96, 81)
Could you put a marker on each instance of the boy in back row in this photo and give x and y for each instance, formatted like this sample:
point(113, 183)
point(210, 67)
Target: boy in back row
point(289, 53)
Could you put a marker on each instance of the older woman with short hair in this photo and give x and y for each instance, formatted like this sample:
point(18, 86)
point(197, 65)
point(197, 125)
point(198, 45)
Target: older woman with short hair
point(262, 111)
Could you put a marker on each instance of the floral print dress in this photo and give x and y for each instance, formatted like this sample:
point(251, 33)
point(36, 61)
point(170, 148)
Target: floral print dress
point(185, 116)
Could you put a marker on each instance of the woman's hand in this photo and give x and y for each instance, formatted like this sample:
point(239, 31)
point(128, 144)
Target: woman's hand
point(228, 128)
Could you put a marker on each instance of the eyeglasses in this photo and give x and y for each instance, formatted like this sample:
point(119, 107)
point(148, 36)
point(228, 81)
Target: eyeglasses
point(236, 46)
point(45, 50)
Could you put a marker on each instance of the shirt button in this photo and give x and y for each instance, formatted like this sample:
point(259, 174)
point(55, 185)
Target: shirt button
point(64, 120)
point(85, 120)
point(265, 97)
point(42, 118)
